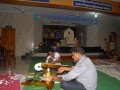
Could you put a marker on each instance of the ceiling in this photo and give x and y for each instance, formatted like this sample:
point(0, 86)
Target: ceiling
point(18, 6)
point(33, 9)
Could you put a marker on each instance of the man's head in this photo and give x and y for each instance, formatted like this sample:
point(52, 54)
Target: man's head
point(77, 52)
point(51, 52)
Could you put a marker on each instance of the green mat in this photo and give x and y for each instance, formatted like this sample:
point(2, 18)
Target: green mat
point(105, 82)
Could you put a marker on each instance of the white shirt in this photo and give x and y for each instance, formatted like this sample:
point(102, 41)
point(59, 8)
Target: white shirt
point(56, 57)
point(84, 72)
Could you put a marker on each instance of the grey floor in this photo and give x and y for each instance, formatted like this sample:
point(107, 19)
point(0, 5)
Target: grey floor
point(21, 66)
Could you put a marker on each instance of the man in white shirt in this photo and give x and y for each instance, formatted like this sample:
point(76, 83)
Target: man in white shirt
point(82, 76)
point(53, 57)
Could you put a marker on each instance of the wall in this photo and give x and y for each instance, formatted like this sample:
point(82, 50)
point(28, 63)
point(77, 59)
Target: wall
point(29, 33)
point(97, 33)
point(104, 28)
point(24, 25)
point(92, 36)
point(37, 33)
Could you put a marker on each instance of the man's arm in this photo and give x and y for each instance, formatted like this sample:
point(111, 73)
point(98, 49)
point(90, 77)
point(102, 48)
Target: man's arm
point(57, 61)
point(47, 59)
point(57, 58)
point(62, 69)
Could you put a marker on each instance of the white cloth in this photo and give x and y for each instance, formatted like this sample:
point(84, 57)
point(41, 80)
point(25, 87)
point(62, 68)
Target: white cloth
point(38, 67)
point(84, 72)
point(56, 57)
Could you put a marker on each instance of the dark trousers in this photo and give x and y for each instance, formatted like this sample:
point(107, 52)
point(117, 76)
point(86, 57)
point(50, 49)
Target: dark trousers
point(72, 85)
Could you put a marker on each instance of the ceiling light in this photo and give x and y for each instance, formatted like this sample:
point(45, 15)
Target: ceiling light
point(96, 15)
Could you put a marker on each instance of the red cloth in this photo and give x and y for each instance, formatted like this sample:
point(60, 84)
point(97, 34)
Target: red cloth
point(6, 83)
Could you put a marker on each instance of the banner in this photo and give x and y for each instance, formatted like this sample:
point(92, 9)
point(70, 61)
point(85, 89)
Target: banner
point(66, 19)
point(93, 4)
point(41, 0)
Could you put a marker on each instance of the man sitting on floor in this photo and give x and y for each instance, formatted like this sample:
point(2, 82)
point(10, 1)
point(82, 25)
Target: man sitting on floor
point(53, 57)
point(82, 76)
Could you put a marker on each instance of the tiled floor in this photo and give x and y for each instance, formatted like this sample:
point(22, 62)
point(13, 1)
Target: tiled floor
point(21, 66)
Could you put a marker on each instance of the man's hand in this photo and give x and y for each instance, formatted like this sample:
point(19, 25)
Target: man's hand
point(53, 62)
point(57, 78)
point(62, 69)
